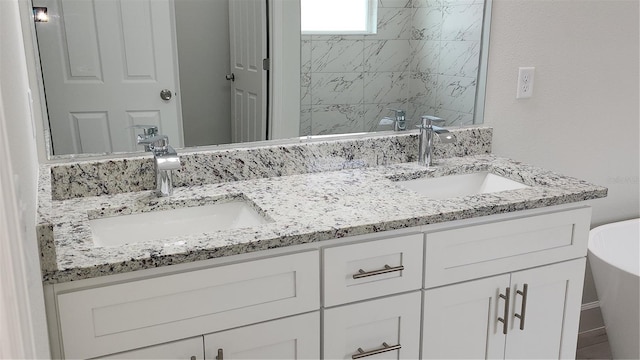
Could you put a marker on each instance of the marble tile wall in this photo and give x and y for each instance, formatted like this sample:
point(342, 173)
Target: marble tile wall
point(424, 59)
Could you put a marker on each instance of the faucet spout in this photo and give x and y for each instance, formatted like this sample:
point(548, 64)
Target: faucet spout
point(165, 160)
point(427, 131)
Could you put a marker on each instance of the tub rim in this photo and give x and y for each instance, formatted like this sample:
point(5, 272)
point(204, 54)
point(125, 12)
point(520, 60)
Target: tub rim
point(604, 227)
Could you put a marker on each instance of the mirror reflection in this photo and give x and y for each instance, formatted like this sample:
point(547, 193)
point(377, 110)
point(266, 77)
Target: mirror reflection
point(195, 69)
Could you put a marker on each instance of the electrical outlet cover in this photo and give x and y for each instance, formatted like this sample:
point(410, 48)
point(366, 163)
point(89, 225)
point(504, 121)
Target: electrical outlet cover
point(525, 82)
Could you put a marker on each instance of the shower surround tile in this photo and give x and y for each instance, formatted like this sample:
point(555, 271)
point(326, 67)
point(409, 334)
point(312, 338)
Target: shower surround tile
point(459, 58)
point(394, 3)
point(462, 22)
point(337, 88)
point(423, 88)
point(336, 119)
point(425, 56)
point(305, 120)
point(427, 23)
point(305, 56)
point(456, 93)
point(305, 89)
point(393, 24)
point(386, 55)
point(337, 56)
point(373, 113)
point(385, 87)
point(454, 118)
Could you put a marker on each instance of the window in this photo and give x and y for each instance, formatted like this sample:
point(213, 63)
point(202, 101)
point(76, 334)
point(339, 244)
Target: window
point(339, 16)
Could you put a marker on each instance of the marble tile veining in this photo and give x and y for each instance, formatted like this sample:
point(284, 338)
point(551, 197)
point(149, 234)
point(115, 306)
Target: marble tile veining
point(312, 192)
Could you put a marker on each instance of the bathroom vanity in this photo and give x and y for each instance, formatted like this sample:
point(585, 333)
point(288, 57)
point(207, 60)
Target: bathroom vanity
point(348, 262)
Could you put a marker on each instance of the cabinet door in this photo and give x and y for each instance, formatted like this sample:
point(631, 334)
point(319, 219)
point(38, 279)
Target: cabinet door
point(551, 314)
point(296, 337)
point(188, 349)
point(461, 321)
point(365, 328)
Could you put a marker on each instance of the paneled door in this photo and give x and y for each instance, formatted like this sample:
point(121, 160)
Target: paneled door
point(105, 64)
point(461, 320)
point(295, 337)
point(248, 33)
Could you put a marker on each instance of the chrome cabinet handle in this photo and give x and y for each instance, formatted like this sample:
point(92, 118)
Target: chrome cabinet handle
point(385, 347)
point(387, 269)
point(523, 308)
point(505, 317)
point(220, 355)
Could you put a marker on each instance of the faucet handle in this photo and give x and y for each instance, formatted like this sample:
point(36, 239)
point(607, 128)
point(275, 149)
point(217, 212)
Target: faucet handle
point(147, 130)
point(155, 143)
point(400, 121)
point(398, 112)
point(428, 120)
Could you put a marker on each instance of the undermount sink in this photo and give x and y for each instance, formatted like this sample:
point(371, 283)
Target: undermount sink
point(461, 185)
point(162, 224)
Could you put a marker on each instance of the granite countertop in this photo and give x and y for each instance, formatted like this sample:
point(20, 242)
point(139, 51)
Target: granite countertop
point(303, 208)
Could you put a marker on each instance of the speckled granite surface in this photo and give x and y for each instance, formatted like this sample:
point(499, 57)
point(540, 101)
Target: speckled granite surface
point(92, 178)
point(304, 207)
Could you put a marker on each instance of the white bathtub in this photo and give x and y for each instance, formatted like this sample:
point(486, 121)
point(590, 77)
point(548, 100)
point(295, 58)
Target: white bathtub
point(614, 250)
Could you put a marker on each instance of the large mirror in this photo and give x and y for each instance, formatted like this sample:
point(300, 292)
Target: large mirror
point(195, 69)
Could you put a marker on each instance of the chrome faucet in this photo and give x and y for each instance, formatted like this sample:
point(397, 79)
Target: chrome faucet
point(427, 129)
point(400, 121)
point(165, 159)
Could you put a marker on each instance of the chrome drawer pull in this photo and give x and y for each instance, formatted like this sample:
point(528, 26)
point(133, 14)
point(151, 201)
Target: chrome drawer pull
point(505, 318)
point(523, 308)
point(385, 347)
point(387, 269)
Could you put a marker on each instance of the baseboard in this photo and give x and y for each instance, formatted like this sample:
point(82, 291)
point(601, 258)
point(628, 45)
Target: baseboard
point(591, 305)
point(590, 317)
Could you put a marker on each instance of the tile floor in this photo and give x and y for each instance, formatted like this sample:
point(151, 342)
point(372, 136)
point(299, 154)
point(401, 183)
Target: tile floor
point(593, 345)
point(593, 342)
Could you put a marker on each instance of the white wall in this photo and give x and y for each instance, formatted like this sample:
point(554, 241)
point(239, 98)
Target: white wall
point(22, 301)
point(583, 119)
point(202, 30)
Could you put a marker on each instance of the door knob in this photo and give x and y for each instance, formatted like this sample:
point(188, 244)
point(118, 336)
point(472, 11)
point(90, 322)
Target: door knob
point(165, 94)
point(230, 77)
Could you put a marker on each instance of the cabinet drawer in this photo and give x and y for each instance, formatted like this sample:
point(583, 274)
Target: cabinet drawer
point(189, 349)
point(503, 246)
point(130, 315)
point(364, 328)
point(380, 267)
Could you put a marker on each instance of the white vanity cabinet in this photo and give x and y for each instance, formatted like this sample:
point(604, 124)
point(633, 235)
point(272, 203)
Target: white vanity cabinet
point(435, 291)
point(529, 313)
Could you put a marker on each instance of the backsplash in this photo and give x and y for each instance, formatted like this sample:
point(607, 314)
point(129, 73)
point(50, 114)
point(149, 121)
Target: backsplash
point(104, 177)
point(424, 59)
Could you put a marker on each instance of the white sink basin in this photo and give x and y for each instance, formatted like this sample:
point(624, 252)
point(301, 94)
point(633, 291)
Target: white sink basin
point(155, 225)
point(461, 185)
